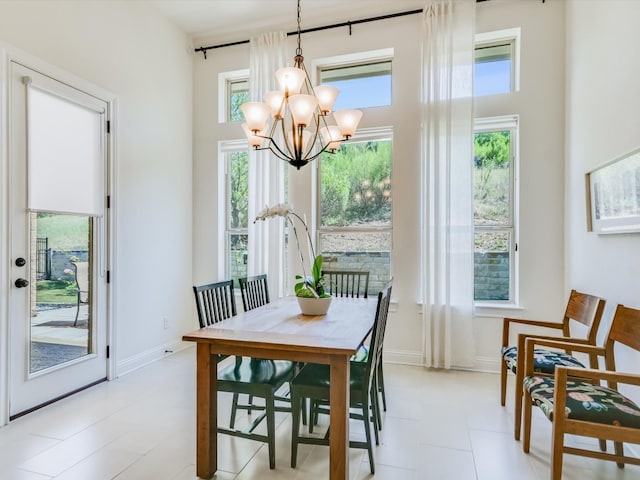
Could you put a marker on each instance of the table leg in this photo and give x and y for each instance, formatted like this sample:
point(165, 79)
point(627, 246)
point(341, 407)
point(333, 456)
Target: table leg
point(206, 412)
point(339, 419)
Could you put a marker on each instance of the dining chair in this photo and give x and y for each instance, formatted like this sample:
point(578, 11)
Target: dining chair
point(577, 404)
point(313, 382)
point(582, 308)
point(81, 279)
point(214, 302)
point(254, 291)
point(254, 377)
point(354, 283)
point(347, 283)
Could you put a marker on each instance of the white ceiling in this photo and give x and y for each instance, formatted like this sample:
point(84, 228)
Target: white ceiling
point(221, 21)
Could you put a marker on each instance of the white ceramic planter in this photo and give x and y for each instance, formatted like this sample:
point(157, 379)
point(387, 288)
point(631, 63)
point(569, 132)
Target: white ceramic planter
point(314, 306)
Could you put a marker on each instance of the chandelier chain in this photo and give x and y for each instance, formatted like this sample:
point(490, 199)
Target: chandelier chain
point(299, 49)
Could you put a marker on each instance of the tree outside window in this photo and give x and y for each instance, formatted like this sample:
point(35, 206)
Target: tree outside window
point(493, 216)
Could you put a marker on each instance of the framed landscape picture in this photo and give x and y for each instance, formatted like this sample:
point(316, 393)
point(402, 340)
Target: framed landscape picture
point(613, 196)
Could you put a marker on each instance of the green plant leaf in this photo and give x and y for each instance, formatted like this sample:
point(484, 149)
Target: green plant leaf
point(317, 270)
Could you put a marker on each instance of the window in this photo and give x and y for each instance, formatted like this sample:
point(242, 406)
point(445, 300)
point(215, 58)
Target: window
point(364, 79)
point(494, 212)
point(238, 94)
point(355, 224)
point(237, 222)
point(496, 62)
point(233, 91)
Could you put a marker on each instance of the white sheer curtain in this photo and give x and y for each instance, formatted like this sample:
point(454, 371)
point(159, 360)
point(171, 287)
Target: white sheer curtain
point(447, 181)
point(266, 173)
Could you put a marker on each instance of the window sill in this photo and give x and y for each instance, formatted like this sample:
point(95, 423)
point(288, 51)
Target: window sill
point(495, 309)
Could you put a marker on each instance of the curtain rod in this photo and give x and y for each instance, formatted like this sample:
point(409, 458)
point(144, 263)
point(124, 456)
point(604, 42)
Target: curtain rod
point(348, 23)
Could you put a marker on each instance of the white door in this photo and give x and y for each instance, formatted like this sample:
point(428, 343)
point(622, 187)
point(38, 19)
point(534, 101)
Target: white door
point(58, 239)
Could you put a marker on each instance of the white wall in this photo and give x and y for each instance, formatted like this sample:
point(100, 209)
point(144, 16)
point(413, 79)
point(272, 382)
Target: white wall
point(603, 101)
point(540, 104)
point(127, 48)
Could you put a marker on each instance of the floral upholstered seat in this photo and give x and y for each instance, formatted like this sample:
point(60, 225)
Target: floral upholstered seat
point(578, 403)
point(543, 360)
point(592, 403)
point(582, 308)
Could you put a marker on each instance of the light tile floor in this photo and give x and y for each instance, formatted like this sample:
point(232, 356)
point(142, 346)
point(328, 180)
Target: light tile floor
point(439, 425)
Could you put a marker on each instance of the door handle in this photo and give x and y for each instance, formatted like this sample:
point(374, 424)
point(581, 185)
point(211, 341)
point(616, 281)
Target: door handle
point(22, 282)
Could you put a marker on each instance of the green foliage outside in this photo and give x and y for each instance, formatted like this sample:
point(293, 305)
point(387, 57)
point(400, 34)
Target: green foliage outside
point(237, 99)
point(492, 188)
point(492, 178)
point(356, 185)
point(56, 291)
point(239, 190)
point(65, 232)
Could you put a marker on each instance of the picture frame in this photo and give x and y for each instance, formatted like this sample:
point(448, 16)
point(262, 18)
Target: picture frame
point(613, 196)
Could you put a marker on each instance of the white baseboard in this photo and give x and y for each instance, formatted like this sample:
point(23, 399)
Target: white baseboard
point(134, 362)
point(486, 365)
point(403, 358)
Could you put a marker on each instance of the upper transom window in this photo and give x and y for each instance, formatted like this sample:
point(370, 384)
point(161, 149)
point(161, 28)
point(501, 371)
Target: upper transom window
point(364, 78)
point(496, 62)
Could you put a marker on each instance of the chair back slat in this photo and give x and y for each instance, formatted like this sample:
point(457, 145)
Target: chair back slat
point(347, 283)
point(214, 302)
point(625, 328)
point(378, 331)
point(255, 291)
point(586, 309)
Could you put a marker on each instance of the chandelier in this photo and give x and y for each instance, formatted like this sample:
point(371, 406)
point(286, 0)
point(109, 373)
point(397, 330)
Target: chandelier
point(301, 113)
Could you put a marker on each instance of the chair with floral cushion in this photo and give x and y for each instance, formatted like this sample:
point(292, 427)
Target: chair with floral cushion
point(582, 308)
point(588, 408)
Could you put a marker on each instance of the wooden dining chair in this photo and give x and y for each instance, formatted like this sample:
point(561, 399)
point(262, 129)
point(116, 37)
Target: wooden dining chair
point(214, 302)
point(313, 382)
point(347, 283)
point(581, 307)
point(254, 291)
point(355, 284)
point(255, 377)
point(577, 404)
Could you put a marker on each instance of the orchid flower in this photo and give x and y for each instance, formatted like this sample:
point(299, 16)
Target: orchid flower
point(278, 210)
point(285, 211)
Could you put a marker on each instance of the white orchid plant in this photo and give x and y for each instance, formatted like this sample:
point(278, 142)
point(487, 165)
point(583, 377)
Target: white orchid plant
point(311, 286)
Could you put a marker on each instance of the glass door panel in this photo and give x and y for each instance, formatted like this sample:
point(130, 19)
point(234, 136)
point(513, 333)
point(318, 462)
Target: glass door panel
point(61, 264)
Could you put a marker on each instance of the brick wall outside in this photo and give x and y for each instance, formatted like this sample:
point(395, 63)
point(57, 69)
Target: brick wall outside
point(491, 276)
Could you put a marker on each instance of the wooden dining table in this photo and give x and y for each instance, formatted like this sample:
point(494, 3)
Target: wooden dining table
point(279, 331)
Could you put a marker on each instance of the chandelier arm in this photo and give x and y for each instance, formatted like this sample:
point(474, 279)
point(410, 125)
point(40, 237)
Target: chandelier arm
point(276, 150)
point(316, 155)
point(278, 154)
point(285, 138)
point(315, 138)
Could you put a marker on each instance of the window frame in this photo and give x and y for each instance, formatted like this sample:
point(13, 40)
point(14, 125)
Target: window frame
point(224, 81)
point(501, 37)
point(352, 60)
point(495, 124)
point(363, 135)
point(224, 197)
